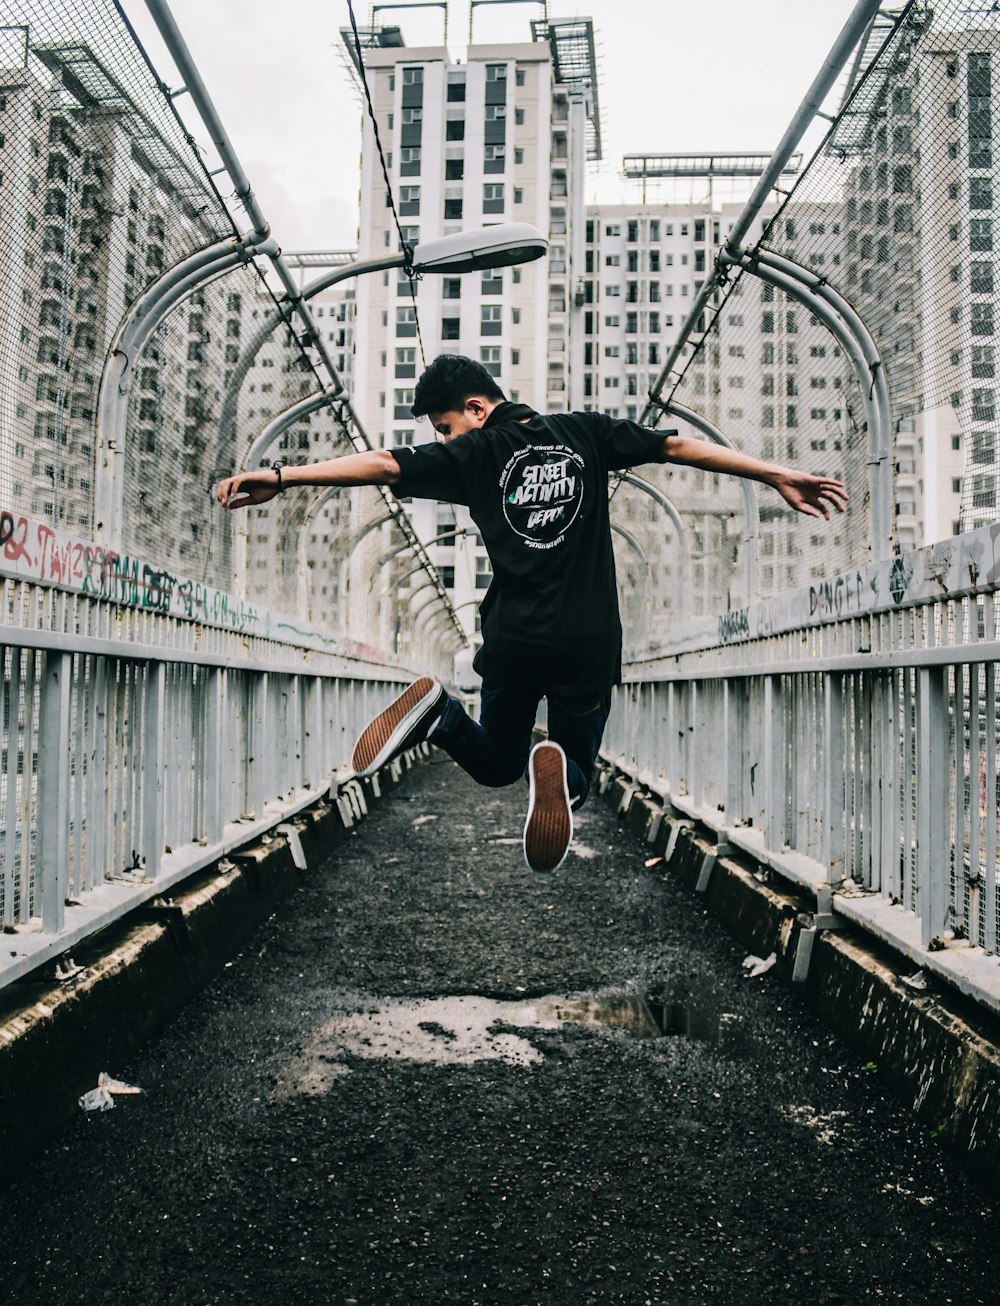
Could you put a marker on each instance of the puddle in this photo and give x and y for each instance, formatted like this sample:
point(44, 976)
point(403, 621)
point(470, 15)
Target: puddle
point(466, 1029)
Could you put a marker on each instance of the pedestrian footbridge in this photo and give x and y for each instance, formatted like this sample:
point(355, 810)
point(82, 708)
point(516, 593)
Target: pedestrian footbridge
point(807, 727)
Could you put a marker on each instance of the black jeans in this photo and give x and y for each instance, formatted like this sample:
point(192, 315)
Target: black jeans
point(494, 750)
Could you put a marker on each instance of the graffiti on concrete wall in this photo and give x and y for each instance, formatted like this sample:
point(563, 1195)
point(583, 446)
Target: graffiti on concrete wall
point(966, 564)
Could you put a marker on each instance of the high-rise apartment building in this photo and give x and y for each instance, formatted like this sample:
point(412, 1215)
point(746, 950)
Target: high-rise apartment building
point(921, 245)
point(93, 219)
point(770, 379)
point(502, 137)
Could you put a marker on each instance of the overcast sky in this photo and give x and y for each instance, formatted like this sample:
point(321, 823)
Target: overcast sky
point(674, 76)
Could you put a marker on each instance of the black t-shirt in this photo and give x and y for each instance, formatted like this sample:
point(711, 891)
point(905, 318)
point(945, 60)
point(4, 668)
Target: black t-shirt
point(537, 491)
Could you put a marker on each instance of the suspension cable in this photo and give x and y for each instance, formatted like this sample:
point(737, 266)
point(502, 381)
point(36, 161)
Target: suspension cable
point(404, 245)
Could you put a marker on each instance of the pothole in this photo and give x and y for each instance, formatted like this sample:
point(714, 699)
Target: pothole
point(465, 1029)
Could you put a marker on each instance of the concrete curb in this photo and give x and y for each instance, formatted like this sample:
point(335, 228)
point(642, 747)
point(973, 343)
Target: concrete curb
point(57, 1036)
point(938, 1053)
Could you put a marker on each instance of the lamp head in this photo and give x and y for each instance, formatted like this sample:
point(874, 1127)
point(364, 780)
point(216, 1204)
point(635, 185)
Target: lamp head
point(474, 251)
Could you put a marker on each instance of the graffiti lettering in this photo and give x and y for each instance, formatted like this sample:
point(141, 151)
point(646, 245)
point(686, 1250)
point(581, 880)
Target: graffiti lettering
point(734, 625)
point(837, 597)
point(14, 538)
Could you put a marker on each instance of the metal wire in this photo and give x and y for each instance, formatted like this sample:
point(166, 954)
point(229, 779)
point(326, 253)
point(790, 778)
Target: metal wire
point(403, 243)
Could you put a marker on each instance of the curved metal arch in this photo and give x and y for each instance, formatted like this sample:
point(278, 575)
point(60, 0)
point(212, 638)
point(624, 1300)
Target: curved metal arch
point(286, 306)
point(851, 333)
point(449, 534)
point(637, 547)
point(135, 328)
point(278, 425)
point(668, 506)
point(401, 580)
point(751, 513)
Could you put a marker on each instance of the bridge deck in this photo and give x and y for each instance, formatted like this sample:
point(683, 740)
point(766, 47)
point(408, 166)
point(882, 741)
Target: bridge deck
point(276, 1153)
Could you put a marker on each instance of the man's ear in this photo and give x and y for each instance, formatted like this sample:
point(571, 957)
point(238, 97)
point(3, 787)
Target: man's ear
point(477, 407)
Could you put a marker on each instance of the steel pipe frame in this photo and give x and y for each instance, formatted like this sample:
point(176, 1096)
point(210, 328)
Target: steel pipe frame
point(861, 17)
point(880, 457)
point(668, 507)
point(195, 87)
point(850, 332)
point(286, 305)
point(138, 323)
point(747, 488)
point(637, 547)
point(445, 535)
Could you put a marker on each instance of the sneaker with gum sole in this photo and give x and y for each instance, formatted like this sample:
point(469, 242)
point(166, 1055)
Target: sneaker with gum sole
point(548, 828)
point(406, 722)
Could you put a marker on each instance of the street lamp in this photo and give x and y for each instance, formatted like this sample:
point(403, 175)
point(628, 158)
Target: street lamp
point(466, 251)
point(499, 246)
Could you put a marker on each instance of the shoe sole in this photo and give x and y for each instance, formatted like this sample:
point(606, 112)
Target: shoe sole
point(548, 829)
point(379, 739)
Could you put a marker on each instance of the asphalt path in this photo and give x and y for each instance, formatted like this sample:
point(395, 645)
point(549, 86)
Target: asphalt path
point(432, 1078)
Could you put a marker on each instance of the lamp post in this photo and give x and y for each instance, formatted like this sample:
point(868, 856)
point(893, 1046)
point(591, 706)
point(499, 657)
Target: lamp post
point(466, 251)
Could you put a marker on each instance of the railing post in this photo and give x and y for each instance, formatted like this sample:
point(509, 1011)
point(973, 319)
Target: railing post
point(774, 764)
point(213, 721)
point(53, 789)
point(259, 750)
point(733, 745)
point(833, 776)
point(932, 823)
point(153, 758)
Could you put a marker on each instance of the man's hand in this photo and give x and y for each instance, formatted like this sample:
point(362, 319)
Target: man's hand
point(248, 488)
point(813, 495)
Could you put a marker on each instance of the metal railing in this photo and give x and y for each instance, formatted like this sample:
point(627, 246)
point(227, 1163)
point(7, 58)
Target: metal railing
point(150, 724)
point(846, 735)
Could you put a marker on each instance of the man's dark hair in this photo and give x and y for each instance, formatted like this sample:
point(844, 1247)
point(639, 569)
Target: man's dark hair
point(449, 381)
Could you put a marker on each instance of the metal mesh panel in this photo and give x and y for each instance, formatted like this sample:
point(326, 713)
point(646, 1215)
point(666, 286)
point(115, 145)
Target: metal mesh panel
point(894, 211)
point(18, 783)
point(100, 192)
point(103, 194)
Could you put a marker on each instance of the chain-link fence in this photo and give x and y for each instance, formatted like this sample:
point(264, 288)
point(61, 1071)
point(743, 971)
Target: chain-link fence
point(895, 212)
point(104, 195)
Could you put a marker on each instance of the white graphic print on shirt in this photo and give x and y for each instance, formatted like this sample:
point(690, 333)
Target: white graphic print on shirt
point(542, 489)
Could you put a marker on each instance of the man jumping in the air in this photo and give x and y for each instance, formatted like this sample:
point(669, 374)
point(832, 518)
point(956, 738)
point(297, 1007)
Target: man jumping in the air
point(536, 487)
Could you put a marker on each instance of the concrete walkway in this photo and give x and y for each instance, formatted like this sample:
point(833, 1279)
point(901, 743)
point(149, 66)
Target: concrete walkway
point(376, 1103)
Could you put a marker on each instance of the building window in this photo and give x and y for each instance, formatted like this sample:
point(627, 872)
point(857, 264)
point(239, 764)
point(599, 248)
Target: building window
point(498, 113)
point(409, 201)
point(454, 169)
point(412, 116)
point(983, 361)
point(451, 288)
point(406, 362)
point(490, 320)
point(409, 161)
point(454, 129)
point(456, 92)
point(450, 328)
point(982, 319)
point(493, 197)
point(452, 210)
point(413, 76)
point(402, 404)
point(980, 192)
point(406, 321)
point(492, 282)
point(489, 356)
point(982, 278)
point(494, 158)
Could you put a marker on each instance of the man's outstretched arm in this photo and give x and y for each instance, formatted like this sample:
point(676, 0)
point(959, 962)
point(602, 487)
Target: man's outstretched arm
point(813, 495)
point(374, 467)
